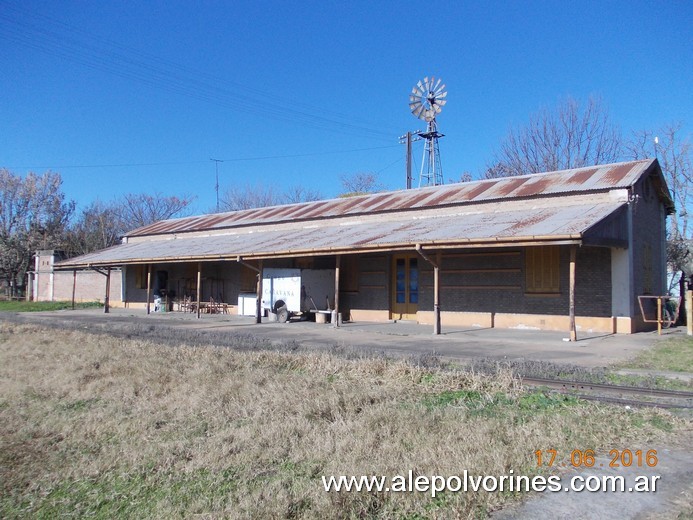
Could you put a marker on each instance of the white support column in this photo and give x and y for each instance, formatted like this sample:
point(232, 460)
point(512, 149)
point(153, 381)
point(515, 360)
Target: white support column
point(571, 307)
point(149, 287)
point(258, 300)
point(436, 287)
point(335, 313)
point(199, 287)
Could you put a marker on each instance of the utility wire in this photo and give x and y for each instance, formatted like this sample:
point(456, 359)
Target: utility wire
point(189, 163)
point(57, 38)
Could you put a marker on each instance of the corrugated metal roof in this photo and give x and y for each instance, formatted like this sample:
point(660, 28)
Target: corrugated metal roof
point(579, 180)
point(550, 219)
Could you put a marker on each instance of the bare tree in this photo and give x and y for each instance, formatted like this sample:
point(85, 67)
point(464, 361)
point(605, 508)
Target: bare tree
point(672, 148)
point(571, 135)
point(33, 215)
point(465, 176)
point(102, 224)
point(260, 196)
point(249, 196)
point(98, 226)
point(360, 183)
point(138, 210)
point(301, 194)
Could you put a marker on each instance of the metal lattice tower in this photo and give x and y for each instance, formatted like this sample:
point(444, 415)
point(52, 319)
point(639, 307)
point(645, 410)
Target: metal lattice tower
point(426, 101)
point(431, 168)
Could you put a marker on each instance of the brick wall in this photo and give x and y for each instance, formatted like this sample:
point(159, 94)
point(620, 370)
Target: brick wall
point(89, 286)
point(492, 281)
point(648, 245)
point(220, 280)
point(373, 285)
point(465, 275)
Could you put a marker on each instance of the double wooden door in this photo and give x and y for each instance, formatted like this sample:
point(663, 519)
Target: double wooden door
point(405, 287)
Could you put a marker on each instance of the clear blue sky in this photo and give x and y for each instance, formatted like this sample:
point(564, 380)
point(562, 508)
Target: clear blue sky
point(134, 96)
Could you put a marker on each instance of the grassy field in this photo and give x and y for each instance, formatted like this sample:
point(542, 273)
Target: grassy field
point(100, 426)
point(25, 306)
point(674, 355)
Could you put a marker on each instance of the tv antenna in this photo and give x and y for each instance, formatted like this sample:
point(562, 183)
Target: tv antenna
point(425, 102)
point(216, 186)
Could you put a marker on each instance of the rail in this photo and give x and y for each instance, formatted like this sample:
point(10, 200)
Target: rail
point(604, 392)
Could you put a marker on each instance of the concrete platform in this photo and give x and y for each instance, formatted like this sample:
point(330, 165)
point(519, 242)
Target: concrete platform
point(392, 338)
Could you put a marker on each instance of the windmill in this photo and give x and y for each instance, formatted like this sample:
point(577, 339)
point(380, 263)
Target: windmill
point(426, 101)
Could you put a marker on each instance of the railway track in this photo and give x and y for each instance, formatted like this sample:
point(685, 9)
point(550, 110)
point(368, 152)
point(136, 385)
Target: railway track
point(624, 395)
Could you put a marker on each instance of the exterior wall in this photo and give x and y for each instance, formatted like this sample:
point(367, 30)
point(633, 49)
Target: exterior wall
point(519, 321)
point(466, 276)
point(648, 250)
point(89, 286)
point(487, 288)
point(621, 289)
point(43, 278)
point(371, 299)
point(222, 281)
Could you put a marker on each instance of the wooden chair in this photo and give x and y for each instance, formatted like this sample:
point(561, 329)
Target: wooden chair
point(184, 304)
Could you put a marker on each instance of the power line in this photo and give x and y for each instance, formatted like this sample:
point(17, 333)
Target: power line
point(187, 163)
point(55, 37)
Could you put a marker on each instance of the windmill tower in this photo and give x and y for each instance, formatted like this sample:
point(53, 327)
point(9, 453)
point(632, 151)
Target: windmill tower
point(426, 101)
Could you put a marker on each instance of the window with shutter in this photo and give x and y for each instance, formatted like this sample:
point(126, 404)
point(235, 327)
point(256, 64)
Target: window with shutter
point(542, 269)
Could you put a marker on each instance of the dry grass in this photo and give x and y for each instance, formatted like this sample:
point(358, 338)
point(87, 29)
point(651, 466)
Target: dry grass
point(92, 425)
point(674, 355)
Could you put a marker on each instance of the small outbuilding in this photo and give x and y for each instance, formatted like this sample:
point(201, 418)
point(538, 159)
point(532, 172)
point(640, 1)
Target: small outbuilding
point(568, 250)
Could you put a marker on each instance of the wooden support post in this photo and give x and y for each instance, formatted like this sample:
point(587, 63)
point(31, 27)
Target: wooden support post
point(199, 287)
point(107, 297)
point(258, 299)
point(335, 313)
point(659, 316)
point(149, 287)
point(571, 304)
point(74, 286)
point(689, 312)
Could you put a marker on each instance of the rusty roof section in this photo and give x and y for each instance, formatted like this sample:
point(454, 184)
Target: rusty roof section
point(489, 224)
point(579, 180)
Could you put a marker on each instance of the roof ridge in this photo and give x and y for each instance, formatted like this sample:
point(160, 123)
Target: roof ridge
point(573, 180)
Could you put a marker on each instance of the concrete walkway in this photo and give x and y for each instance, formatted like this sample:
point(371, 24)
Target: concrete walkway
point(400, 338)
